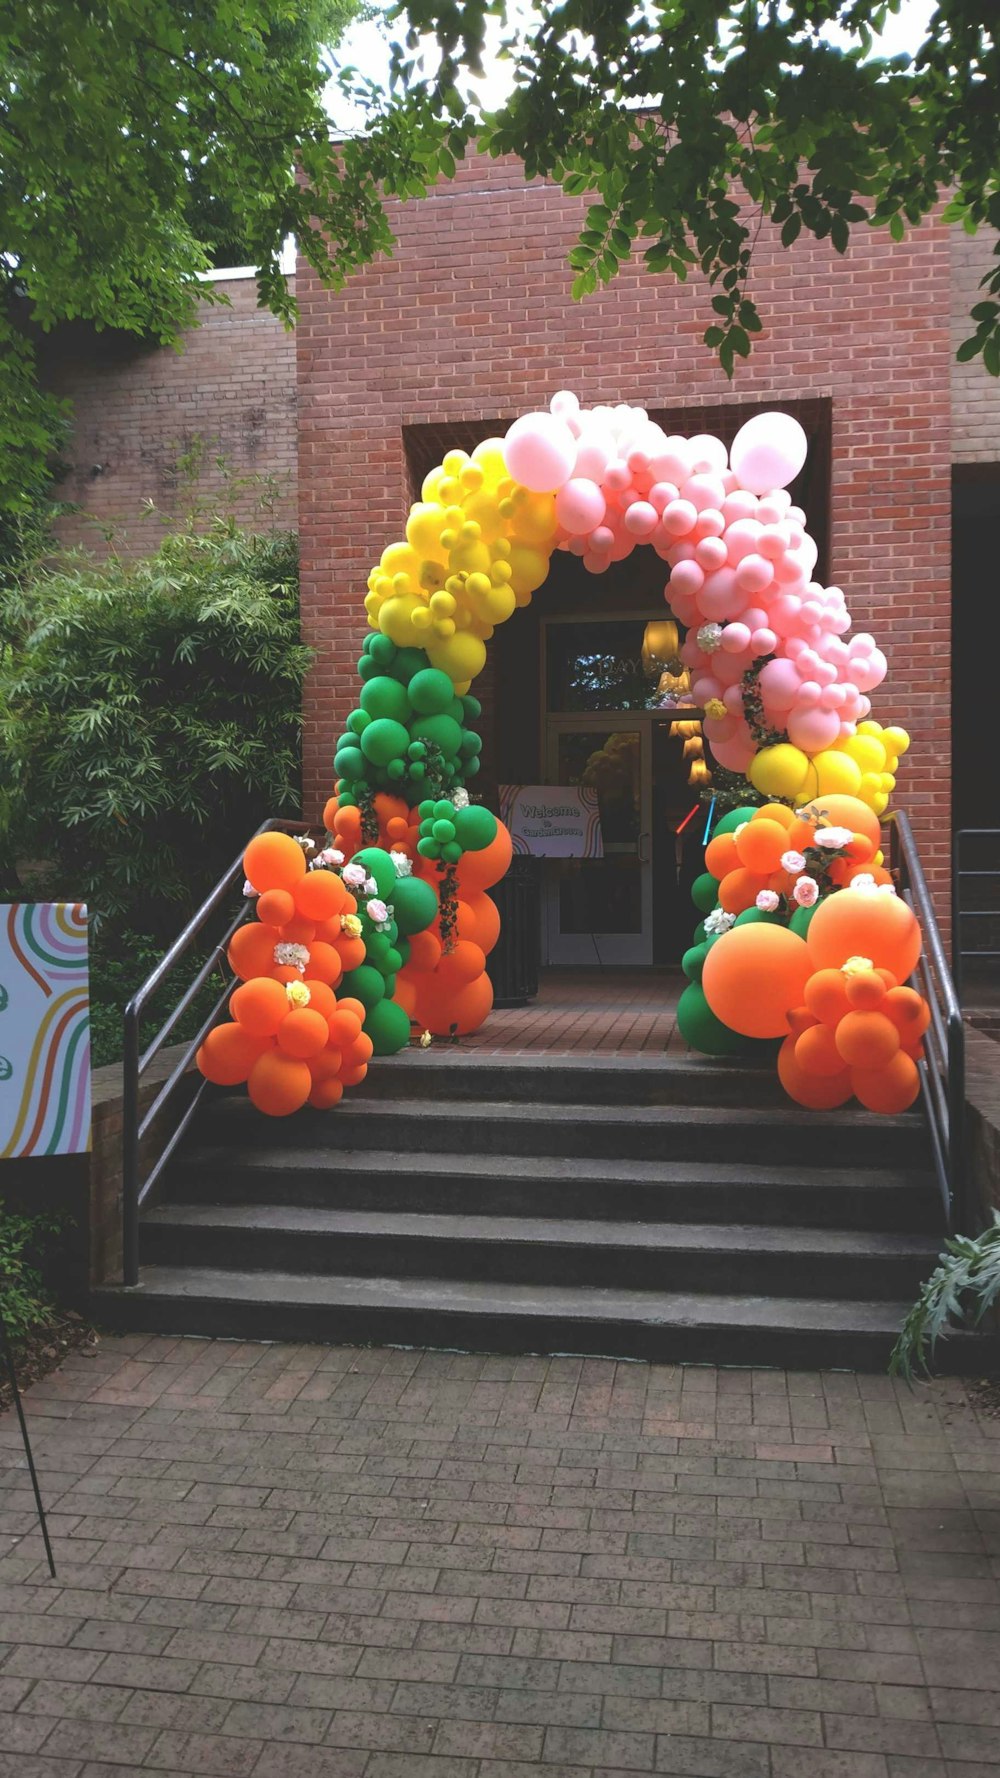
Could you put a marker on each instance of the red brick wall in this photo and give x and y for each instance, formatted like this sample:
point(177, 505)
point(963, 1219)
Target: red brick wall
point(229, 392)
point(472, 320)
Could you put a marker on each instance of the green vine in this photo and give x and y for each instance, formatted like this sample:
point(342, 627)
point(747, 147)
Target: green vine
point(369, 819)
point(448, 897)
point(753, 705)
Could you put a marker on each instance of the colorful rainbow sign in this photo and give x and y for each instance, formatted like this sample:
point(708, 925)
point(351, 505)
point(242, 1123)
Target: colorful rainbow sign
point(44, 1030)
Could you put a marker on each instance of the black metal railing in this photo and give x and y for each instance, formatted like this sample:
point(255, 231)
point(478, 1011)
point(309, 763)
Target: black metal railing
point(136, 1128)
point(942, 1071)
point(975, 921)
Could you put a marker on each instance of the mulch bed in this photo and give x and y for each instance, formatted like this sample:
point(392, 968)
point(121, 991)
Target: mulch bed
point(44, 1351)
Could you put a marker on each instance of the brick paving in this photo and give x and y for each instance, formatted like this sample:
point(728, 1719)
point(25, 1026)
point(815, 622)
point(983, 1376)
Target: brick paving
point(628, 1011)
point(303, 1562)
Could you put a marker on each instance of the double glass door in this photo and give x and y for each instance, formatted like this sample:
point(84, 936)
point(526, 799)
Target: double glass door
point(599, 910)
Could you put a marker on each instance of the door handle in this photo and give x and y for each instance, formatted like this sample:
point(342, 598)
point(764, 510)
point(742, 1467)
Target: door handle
point(643, 848)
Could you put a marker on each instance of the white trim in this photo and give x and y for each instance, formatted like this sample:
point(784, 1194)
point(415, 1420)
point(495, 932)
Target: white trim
point(230, 273)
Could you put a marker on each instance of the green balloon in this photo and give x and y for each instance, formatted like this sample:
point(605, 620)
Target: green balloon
point(384, 740)
point(416, 750)
point(394, 959)
point(705, 892)
point(471, 767)
point(442, 731)
point(699, 934)
point(382, 650)
point(377, 949)
point(427, 847)
point(388, 1026)
point(699, 1026)
point(385, 696)
point(455, 709)
point(443, 831)
point(693, 962)
point(415, 903)
point(379, 865)
point(758, 917)
point(444, 809)
point(365, 984)
point(349, 762)
point(451, 851)
point(418, 771)
point(472, 707)
point(802, 919)
point(402, 948)
point(475, 827)
point(407, 662)
point(367, 668)
point(396, 768)
point(733, 820)
point(358, 720)
point(431, 691)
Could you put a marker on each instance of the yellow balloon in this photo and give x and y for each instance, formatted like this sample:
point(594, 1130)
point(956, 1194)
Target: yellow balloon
point(532, 516)
point(489, 455)
point(779, 771)
point(867, 750)
point(897, 739)
point(837, 773)
point(529, 569)
point(461, 656)
point(396, 620)
point(423, 530)
point(399, 558)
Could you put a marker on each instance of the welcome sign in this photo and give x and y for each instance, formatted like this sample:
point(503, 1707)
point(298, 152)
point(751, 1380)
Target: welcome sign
point(44, 1030)
point(552, 820)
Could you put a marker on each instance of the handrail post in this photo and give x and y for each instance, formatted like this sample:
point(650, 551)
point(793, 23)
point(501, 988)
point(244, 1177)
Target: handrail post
point(130, 1145)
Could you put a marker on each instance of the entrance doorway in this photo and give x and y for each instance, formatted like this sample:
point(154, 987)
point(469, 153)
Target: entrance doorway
point(600, 910)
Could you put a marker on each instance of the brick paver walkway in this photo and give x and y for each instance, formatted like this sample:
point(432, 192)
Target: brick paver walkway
point(297, 1562)
point(585, 1010)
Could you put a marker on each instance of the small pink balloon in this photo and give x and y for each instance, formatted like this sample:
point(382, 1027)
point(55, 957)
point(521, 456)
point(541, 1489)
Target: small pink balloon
point(710, 553)
point(735, 638)
point(720, 598)
point(539, 451)
point(754, 573)
point(773, 542)
point(622, 547)
point(763, 640)
point(689, 652)
point(641, 519)
point(732, 697)
point(730, 481)
point(687, 578)
point(638, 461)
point(703, 491)
point(834, 697)
point(779, 684)
point(685, 611)
point(595, 562)
point(810, 692)
point(741, 539)
point(790, 570)
point(617, 476)
point(785, 613)
point(682, 551)
point(577, 546)
point(580, 506)
point(661, 494)
point(772, 510)
point(813, 729)
point(825, 673)
point(729, 670)
point(720, 728)
point(602, 539)
point(735, 755)
point(740, 504)
point(673, 463)
point(707, 687)
point(679, 518)
point(594, 452)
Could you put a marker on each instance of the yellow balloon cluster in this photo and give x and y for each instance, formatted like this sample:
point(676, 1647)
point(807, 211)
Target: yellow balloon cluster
point(477, 546)
point(863, 765)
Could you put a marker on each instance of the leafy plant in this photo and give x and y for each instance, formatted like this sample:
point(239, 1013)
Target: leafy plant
point(694, 124)
point(964, 1288)
point(149, 720)
point(24, 1301)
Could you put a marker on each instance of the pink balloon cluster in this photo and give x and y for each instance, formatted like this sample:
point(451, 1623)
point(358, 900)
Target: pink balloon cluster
point(740, 557)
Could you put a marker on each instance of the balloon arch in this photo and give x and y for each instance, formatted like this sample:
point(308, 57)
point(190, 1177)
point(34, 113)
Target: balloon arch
point(393, 911)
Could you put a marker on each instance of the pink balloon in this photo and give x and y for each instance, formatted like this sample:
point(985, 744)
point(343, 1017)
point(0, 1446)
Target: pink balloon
point(686, 612)
point(720, 597)
point(596, 562)
point(580, 506)
point(779, 684)
point(710, 523)
point(732, 697)
point(577, 546)
point(741, 539)
point(602, 538)
point(706, 688)
point(735, 638)
point(593, 454)
point(790, 570)
point(735, 755)
point(741, 504)
point(809, 694)
point(813, 729)
point(753, 573)
point(710, 553)
point(689, 652)
point(708, 454)
point(540, 452)
point(768, 452)
point(720, 728)
point(679, 518)
point(729, 670)
point(785, 613)
point(703, 490)
point(661, 494)
point(673, 463)
point(772, 510)
point(687, 578)
point(617, 476)
point(763, 640)
point(641, 519)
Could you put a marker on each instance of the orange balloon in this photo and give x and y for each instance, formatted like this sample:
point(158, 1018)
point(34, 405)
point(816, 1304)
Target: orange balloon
point(274, 861)
point(303, 1033)
point(320, 895)
point(328, 1064)
point(739, 890)
point(362, 1049)
point(754, 976)
point(389, 808)
point(461, 964)
point(298, 931)
point(259, 1006)
point(844, 811)
point(351, 952)
point(330, 808)
point(866, 991)
point(890, 1089)
point(444, 1010)
point(861, 923)
point(721, 856)
point(406, 993)
point(322, 998)
point(397, 827)
point(348, 1003)
point(816, 1052)
point(909, 1012)
point(329, 932)
point(860, 849)
point(347, 823)
point(760, 845)
point(480, 870)
point(277, 1084)
point(228, 1053)
point(818, 1092)
point(251, 950)
point(326, 1093)
point(425, 950)
point(866, 1040)
point(479, 919)
point(286, 972)
point(352, 1077)
point(344, 1026)
point(800, 1019)
point(275, 907)
point(779, 812)
point(325, 963)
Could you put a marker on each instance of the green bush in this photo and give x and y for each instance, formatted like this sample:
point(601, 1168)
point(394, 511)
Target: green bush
point(961, 1292)
point(149, 720)
point(24, 1301)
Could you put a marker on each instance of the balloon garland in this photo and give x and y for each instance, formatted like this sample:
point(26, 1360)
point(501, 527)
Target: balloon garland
point(410, 856)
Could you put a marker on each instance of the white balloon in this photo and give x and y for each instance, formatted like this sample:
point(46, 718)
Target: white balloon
point(768, 452)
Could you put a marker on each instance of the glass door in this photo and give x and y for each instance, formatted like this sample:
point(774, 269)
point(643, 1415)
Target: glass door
point(599, 910)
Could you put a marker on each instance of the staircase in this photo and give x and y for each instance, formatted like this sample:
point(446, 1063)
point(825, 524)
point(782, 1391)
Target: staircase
point(629, 1205)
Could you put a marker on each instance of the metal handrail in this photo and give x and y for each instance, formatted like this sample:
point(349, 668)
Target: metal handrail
point(960, 874)
point(942, 1070)
point(135, 1188)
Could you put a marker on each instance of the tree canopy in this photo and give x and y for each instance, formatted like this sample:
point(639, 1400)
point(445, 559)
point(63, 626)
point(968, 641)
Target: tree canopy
point(692, 124)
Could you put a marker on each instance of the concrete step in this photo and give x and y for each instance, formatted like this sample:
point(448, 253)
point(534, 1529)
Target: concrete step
point(683, 1327)
point(500, 1184)
point(700, 1257)
point(612, 1079)
point(791, 1137)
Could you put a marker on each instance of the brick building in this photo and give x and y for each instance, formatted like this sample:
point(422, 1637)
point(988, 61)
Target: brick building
point(471, 323)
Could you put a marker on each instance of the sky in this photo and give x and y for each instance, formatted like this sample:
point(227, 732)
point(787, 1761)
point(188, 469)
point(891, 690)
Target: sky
point(365, 47)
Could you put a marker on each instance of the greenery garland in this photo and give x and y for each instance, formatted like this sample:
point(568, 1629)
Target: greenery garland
point(753, 705)
point(448, 898)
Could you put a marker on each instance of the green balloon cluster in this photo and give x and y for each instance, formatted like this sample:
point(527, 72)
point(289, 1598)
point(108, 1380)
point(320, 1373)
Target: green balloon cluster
point(446, 832)
point(414, 906)
point(696, 1022)
point(409, 728)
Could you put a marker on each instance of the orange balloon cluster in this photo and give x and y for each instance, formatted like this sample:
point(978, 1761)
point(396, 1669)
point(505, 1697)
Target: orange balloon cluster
point(749, 861)
point(290, 1039)
point(398, 826)
point(853, 1027)
point(447, 991)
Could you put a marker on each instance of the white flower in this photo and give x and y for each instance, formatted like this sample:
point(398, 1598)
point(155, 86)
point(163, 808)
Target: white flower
point(767, 901)
point(460, 799)
point(402, 863)
point(377, 911)
point(292, 956)
point(833, 838)
point(806, 892)
point(248, 888)
point(354, 875)
point(303, 840)
point(792, 862)
point(370, 886)
point(886, 888)
point(863, 880)
point(710, 638)
point(719, 921)
point(328, 859)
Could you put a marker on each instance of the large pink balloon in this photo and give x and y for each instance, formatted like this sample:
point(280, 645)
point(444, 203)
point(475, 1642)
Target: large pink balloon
point(768, 452)
point(813, 729)
point(540, 452)
point(580, 506)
